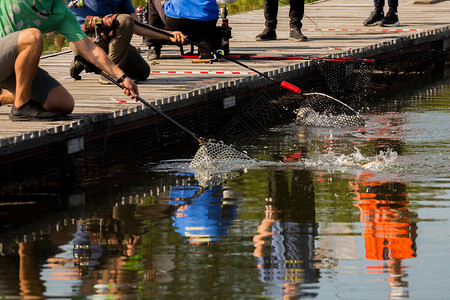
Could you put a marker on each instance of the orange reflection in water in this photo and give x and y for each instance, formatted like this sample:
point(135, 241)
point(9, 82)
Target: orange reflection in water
point(389, 233)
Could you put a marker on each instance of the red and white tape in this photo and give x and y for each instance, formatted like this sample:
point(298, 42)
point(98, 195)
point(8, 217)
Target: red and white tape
point(122, 101)
point(204, 72)
point(383, 29)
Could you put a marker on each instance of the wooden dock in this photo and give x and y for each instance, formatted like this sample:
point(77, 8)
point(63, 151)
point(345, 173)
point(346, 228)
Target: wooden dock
point(333, 27)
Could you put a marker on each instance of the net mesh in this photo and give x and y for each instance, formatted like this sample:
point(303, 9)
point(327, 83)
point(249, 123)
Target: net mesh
point(207, 178)
point(215, 155)
point(343, 80)
point(325, 111)
point(348, 80)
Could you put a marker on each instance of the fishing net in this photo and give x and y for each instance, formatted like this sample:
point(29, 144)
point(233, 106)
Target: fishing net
point(208, 179)
point(215, 155)
point(325, 111)
point(346, 79)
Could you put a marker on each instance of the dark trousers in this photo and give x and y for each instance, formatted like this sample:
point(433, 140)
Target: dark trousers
point(195, 30)
point(379, 4)
point(296, 12)
point(119, 50)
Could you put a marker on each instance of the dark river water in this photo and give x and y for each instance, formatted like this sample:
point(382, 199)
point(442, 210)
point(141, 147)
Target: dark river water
point(334, 213)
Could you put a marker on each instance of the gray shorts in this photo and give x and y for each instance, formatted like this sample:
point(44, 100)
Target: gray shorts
point(43, 83)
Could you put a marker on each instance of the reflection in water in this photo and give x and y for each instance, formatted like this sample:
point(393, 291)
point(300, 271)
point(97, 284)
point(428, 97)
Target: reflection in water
point(389, 233)
point(284, 245)
point(114, 237)
point(201, 216)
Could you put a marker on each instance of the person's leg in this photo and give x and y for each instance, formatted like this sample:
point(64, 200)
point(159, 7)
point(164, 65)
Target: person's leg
point(21, 77)
point(156, 18)
point(378, 5)
point(194, 29)
point(296, 12)
point(30, 45)
point(8, 56)
point(393, 4)
point(6, 97)
point(136, 67)
point(202, 32)
point(119, 45)
point(46, 91)
point(270, 13)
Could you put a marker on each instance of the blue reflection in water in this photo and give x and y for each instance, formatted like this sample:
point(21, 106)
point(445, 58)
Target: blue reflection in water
point(201, 217)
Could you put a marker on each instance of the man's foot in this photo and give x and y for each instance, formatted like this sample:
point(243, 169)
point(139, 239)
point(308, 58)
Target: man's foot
point(390, 20)
point(154, 52)
point(76, 67)
point(374, 18)
point(6, 97)
point(104, 80)
point(296, 35)
point(31, 111)
point(267, 35)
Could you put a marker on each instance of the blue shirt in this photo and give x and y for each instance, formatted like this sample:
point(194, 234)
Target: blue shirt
point(200, 10)
point(102, 8)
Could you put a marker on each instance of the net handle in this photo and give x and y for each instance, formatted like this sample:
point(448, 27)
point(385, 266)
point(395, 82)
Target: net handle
point(146, 103)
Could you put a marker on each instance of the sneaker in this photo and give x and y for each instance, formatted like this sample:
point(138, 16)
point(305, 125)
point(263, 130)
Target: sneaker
point(103, 80)
point(267, 35)
point(374, 18)
point(31, 111)
point(153, 53)
point(390, 20)
point(76, 67)
point(296, 35)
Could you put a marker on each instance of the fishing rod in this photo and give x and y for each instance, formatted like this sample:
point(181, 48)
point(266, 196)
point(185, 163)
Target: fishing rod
point(286, 85)
point(146, 103)
point(249, 57)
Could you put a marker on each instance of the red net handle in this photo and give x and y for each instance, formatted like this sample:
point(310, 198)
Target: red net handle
point(290, 87)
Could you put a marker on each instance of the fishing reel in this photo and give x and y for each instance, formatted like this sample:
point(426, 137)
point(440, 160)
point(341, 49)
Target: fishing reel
point(216, 55)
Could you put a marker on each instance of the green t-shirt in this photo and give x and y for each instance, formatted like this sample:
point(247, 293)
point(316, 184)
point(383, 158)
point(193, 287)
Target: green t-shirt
point(16, 15)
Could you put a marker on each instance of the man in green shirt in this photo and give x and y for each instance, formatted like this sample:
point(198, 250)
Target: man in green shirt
point(38, 96)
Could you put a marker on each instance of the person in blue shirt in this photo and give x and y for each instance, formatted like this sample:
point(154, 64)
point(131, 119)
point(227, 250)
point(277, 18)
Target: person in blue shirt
point(117, 42)
point(195, 18)
point(201, 216)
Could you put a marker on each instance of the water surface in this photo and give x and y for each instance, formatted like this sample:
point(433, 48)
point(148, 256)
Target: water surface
point(332, 213)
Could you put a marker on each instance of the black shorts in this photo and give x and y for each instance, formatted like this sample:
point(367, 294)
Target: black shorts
point(43, 83)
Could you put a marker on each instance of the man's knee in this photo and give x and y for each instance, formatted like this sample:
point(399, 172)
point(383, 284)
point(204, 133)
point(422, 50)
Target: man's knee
point(60, 100)
point(31, 37)
point(125, 22)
